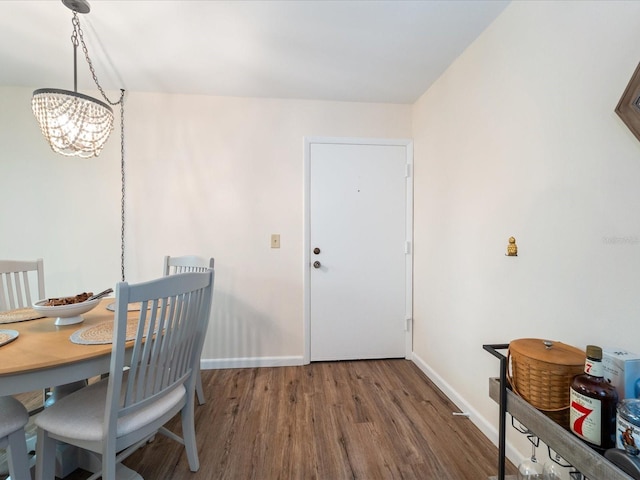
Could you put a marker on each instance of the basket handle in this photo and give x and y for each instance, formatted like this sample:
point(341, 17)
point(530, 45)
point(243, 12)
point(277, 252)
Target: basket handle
point(511, 380)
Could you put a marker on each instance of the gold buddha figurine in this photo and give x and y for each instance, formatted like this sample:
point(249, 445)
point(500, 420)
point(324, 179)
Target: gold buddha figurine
point(512, 248)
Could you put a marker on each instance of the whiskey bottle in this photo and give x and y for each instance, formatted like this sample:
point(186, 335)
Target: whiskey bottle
point(593, 401)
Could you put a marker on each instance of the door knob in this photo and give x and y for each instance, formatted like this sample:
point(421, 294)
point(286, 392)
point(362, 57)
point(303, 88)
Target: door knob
point(316, 250)
point(316, 264)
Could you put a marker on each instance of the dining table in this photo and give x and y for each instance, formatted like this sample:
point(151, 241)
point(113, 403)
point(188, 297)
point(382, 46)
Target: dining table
point(42, 356)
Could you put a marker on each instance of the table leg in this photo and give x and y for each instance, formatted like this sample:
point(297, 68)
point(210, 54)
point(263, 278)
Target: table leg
point(62, 391)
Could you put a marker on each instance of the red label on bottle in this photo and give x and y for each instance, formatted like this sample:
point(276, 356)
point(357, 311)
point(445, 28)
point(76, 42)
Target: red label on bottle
point(584, 412)
point(585, 417)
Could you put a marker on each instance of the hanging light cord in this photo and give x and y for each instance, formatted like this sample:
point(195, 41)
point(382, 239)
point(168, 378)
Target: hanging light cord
point(77, 34)
point(122, 186)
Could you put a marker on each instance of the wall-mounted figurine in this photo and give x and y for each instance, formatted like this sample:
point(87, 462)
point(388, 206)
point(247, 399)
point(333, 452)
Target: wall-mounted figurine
point(512, 248)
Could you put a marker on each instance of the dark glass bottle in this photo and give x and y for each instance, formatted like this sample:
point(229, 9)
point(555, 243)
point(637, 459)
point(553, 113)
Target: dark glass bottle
point(592, 412)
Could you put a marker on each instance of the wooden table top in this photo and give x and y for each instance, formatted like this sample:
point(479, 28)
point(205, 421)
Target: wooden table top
point(41, 344)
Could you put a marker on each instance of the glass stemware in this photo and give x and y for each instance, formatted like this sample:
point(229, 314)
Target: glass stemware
point(555, 468)
point(551, 471)
point(530, 469)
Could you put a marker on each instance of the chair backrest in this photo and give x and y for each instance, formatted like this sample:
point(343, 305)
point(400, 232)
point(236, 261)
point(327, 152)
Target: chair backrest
point(186, 263)
point(167, 343)
point(17, 281)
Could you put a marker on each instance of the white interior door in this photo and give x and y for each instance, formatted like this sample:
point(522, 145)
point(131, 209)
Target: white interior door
point(358, 249)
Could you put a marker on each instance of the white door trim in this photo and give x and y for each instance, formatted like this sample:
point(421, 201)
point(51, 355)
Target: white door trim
point(308, 141)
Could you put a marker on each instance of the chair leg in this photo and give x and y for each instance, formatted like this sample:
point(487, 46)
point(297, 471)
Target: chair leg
point(45, 456)
point(189, 436)
point(199, 390)
point(17, 456)
point(109, 460)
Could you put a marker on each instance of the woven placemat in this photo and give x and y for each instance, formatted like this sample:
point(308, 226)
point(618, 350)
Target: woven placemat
point(102, 333)
point(7, 336)
point(19, 315)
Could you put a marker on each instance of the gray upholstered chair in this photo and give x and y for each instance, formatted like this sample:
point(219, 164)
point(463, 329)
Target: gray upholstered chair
point(183, 264)
point(117, 415)
point(13, 418)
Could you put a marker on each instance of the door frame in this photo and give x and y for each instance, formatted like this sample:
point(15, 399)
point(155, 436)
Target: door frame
point(408, 143)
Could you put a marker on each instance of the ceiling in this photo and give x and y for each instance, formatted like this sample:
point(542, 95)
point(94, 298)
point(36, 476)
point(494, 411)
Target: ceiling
point(347, 50)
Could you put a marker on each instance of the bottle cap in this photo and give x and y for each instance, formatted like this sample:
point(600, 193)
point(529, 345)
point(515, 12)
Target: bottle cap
point(594, 352)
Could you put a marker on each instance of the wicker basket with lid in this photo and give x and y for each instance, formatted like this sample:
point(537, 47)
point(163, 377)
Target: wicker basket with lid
point(540, 371)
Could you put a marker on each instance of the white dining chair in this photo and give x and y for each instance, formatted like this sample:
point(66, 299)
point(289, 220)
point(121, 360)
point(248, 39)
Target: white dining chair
point(18, 280)
point(13, 418)
point(21, 284)
point(184, 264)
point(117, 415)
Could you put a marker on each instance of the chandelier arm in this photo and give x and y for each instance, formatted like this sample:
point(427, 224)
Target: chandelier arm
point(75, 64)
point(76, 24)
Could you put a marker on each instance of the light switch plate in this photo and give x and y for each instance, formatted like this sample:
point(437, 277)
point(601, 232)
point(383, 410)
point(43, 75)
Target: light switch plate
point(275, 240)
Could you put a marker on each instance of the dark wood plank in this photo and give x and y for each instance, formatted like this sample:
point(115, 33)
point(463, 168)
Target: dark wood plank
point(368, 420)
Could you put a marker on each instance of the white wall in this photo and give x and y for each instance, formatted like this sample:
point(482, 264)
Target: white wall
point(205, 175)
point(519, 137)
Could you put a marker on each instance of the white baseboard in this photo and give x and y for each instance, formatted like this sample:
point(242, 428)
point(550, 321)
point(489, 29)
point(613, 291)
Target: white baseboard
point(249, 362)
point(486, 427)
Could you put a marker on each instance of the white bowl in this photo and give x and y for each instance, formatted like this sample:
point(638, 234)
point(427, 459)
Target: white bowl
point(66, 314)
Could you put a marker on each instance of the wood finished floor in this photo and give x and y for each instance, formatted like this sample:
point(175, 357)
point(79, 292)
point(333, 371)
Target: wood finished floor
point(365, 420)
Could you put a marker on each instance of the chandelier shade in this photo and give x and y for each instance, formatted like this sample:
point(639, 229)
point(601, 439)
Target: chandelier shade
point(73, 124)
